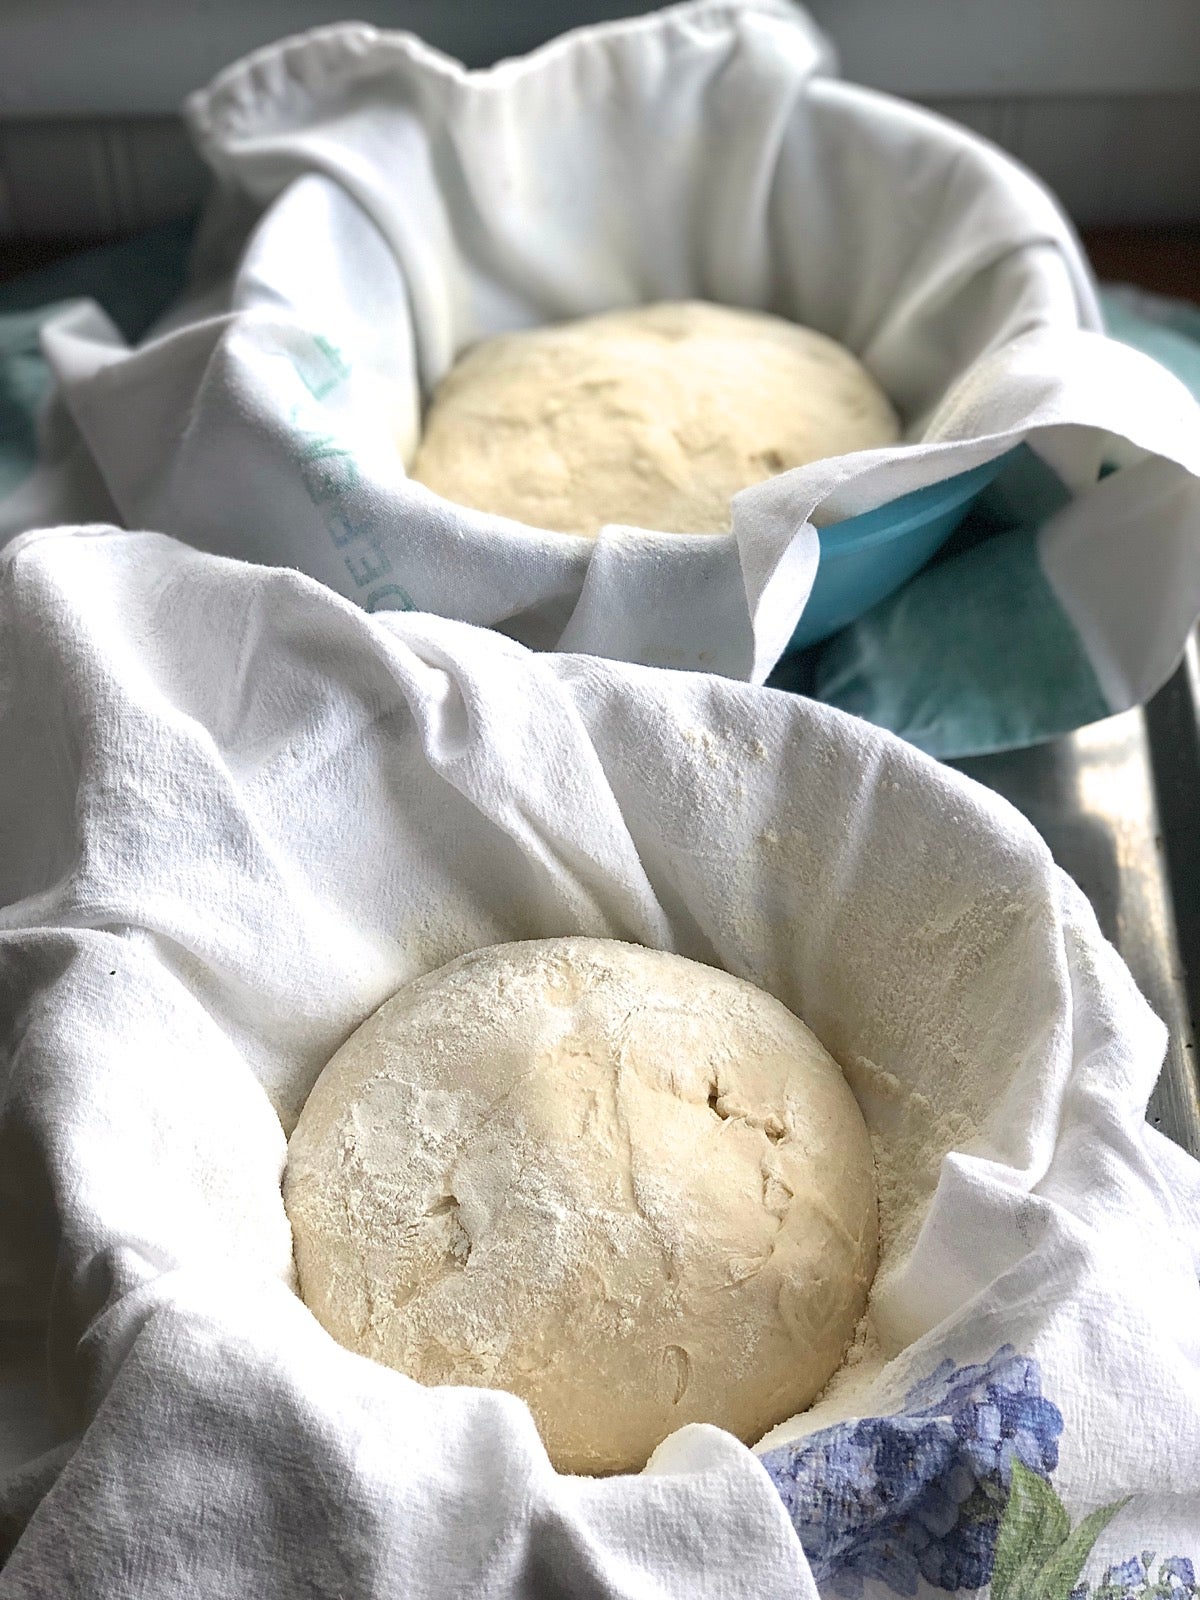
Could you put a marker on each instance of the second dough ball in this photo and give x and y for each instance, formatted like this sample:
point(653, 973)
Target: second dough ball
point(631, 1189)
point(653, 417)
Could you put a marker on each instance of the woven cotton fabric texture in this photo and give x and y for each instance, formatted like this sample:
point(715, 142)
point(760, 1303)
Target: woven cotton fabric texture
point(238, 812)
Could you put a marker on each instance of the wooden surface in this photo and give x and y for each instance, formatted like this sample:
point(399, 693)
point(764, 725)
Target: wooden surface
point(25, 255)
point(1166, 260)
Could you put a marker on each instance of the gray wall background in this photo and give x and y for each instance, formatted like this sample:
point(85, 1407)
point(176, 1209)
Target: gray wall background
point(1100, 97)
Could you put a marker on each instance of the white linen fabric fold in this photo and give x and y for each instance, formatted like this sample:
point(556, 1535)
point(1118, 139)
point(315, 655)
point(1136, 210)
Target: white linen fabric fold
point(381, 208)
point(236, 812)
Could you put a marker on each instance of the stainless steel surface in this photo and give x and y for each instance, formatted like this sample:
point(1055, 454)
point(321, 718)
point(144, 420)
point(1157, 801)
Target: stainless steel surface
point(1119, 805)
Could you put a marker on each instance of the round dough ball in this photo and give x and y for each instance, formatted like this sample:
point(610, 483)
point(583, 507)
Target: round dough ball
point(653, 417)
point(629, 1188)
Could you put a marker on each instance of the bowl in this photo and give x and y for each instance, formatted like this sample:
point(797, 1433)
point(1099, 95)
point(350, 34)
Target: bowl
point(868, 557)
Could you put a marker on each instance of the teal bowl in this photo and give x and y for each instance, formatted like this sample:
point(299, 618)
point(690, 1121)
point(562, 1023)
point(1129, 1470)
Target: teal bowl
point(866, 558)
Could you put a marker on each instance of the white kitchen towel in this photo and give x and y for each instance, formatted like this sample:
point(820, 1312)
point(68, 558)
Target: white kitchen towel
point(237, 811)
point(381, 208)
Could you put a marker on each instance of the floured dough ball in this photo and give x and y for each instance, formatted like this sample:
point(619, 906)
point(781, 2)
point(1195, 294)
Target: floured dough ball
point(653, 417)
point(629, 1188)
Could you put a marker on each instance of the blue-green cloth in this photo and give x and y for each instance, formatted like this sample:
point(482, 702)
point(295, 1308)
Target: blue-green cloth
point(1168, 330)
point(1004, 671)
point(24, 385)
point(973, 655)
point(135, 281)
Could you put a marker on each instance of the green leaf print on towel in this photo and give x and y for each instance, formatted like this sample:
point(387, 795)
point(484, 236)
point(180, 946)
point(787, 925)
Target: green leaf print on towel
point(1038, 1557)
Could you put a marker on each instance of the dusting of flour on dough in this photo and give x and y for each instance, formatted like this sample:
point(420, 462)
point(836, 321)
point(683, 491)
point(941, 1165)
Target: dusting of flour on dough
point(632, 1189)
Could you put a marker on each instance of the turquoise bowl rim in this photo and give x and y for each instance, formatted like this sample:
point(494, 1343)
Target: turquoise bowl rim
point(911, 510)
point(886, 525)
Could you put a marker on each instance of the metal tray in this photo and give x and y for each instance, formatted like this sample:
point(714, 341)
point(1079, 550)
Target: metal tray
point(1119, 805)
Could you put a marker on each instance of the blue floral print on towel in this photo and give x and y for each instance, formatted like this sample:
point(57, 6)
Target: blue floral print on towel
point(1139, 1579)
point(953, 1493)
point(920, 1494)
